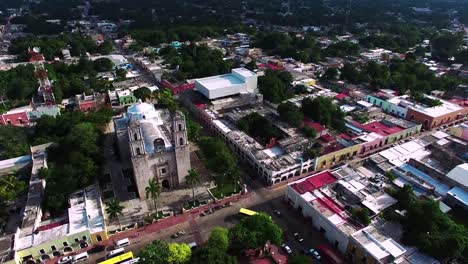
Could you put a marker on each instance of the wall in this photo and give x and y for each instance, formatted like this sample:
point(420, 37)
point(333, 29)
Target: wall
point(319, 222)
point(429, 122)
point(58, 243)
point(378, 102)
point(326, 161)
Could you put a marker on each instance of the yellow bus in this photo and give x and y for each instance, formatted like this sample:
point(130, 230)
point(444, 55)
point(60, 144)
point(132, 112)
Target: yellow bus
point(118, 259)
point(248, 212)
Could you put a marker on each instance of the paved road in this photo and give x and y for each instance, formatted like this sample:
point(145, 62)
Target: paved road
point(198, 228)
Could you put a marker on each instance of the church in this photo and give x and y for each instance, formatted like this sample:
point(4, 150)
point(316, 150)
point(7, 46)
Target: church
point(156, 143)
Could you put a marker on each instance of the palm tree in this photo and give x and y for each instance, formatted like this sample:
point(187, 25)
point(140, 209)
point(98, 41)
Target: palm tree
point(192, 179)
point(153, 190)
point(114, 209)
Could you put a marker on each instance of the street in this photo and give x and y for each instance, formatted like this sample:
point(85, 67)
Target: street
point(198, 228)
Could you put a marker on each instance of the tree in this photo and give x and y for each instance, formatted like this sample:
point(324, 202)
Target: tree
point(252, 65)
point(253, 232)
point(121, 73)
point(179, 253)
point(103, 64)
point(275, 85)
point(290, 113)
point(11, 187)
point(299, 259)
point(153, 190)
point(350, 73)
point(155, 253)
point(192, 179)
point(114, 209)
point(142, 93)
point(330, 74)
point(212, 255)
point(13, 142)
point(219, 238)
point(309, 131)
point(361, 215)
point(446, 45)
point(105, 48)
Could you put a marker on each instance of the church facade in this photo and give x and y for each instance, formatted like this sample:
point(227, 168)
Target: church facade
point(156, 144)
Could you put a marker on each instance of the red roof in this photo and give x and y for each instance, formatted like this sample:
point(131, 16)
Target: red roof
point(344, 136)
point(340, 96)
point(327, 138)
point(316, 126)
point(314, 182)
point(379, 128)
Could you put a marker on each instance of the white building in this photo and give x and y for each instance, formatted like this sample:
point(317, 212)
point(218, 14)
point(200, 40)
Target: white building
point(240, 80)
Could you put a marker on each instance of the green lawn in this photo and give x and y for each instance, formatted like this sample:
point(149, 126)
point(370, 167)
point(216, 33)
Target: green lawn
point(191, 204)
point(225, 190)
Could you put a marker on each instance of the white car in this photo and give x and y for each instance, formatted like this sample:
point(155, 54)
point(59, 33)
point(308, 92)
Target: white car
point(287, 249)
point(66, 259)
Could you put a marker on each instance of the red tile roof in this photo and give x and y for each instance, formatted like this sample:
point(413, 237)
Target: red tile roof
point(327, 138)
point(379, 128)
point(314, 182)
point(316, 126)
point(340, 96)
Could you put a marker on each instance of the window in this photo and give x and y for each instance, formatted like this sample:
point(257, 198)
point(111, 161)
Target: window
point(77, 240)
point(138, 150)
point(180, 127)
point(99, 238)
point(163, 171)
point(53, 248)
point(84, 238)
point(65, 244)
point(135, 136)
point(181, 141)
point(42, 251)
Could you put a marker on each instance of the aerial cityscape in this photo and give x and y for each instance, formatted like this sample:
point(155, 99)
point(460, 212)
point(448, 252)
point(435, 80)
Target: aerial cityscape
point(234, 131)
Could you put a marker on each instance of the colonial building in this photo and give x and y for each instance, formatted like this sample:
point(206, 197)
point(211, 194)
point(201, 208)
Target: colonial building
point(155, 141)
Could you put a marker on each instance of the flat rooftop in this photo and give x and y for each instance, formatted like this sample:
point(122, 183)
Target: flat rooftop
point(377, 244)
point(313, 182)
point(219, 81)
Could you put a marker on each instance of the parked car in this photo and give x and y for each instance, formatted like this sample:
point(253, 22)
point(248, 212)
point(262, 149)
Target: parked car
point(298, 237)
point(277, 213)
point(315, 254)
point(66, 259)
point(178, 234)
point(287, 249)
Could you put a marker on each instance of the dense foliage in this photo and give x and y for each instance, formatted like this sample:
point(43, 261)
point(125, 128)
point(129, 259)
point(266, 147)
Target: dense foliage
point(79, 78)
point(52, 46)
point(259, 128)
point(287, 46)
point(195, 61)
point(275, 85)
point(290, 114)
point(18, 84)
point(76, 159)
point(324, 111)
point(428, 228)
point(215, 152)
point(252, 232)
point(13, 142)
point(215, 250)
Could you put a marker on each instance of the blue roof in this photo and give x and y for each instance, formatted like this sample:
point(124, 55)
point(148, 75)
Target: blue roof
point(459, 194)
point(440, 188)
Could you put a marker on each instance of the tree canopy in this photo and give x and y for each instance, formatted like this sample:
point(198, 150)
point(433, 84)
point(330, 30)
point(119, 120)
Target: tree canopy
point(76, 160)
point(275, 85)
point(215, 152)
point(259, 127)
point(323, 111)
point(252, 232)
point(13, 142)
point(290, 113)
point(160, 251)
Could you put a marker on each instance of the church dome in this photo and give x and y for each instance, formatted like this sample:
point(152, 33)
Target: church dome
point(141, 111)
